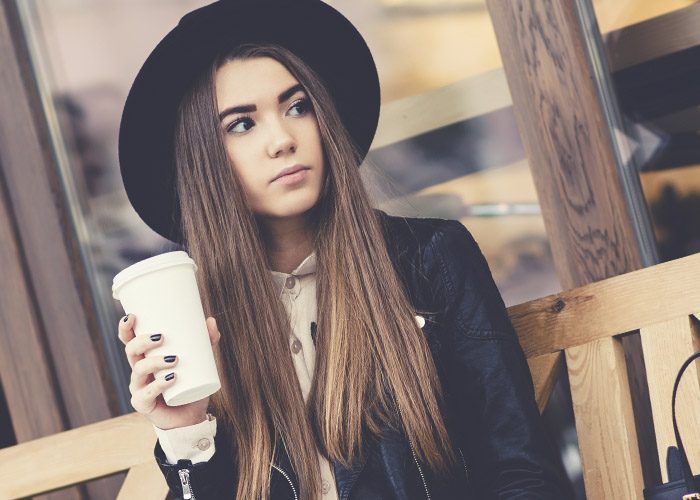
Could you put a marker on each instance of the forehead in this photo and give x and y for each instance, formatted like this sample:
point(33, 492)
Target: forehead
point(251, 81)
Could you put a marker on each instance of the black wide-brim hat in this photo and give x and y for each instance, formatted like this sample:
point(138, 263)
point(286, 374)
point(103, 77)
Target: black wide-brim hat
point(314, 31)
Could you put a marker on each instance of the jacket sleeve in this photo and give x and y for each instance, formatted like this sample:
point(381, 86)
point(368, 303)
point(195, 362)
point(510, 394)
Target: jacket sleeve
point(213, 479)
point(502, 433)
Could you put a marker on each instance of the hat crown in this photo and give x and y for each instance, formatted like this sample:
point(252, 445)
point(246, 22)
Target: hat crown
point(311, 29)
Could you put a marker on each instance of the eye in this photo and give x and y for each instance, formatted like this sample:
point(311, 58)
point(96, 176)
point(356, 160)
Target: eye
point(235, 123)
point(303, 105)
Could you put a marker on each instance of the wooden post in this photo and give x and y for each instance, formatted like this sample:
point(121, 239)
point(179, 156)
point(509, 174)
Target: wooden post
point(585, 203)
point(46, 307)
point(604, 420)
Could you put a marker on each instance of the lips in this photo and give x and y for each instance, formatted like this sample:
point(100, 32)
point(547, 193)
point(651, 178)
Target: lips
point(289, 170)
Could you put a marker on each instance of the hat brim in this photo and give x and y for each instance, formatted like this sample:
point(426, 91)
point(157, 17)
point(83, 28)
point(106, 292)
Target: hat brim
point(314, 31)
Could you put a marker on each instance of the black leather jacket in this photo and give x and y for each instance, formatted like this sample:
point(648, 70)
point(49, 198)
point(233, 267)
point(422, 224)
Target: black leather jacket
point(491, 414)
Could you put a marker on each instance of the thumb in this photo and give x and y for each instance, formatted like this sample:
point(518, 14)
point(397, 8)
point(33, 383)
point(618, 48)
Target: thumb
point(214, 333)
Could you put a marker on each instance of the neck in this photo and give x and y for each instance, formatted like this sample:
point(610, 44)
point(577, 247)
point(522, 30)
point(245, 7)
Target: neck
point(288, 240)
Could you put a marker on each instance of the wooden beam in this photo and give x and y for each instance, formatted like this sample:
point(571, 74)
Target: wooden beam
point(24, 349)
point(402, 119)
point(653, 38)
point(609, 307)
point(545, 370)
point(586, 204)
point(605, 423)
point(120, 443)
point(52, 264)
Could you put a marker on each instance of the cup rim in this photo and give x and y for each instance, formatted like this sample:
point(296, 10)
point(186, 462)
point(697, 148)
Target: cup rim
point(149, 265)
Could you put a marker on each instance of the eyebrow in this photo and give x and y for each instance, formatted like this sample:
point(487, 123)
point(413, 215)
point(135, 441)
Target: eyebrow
point(246, 108)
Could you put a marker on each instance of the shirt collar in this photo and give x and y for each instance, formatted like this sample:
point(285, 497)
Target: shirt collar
point(307, 266)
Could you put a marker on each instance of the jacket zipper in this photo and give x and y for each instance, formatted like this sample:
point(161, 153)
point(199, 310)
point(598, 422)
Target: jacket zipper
point(288, 480)
point(466, 470)
point(187, 493)
point(415, 459)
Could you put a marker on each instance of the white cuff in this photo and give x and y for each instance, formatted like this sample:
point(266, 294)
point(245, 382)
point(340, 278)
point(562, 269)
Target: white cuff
point(193, 442)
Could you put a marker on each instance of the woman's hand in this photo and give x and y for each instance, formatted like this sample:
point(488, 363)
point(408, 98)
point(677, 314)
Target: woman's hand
point(146, 390)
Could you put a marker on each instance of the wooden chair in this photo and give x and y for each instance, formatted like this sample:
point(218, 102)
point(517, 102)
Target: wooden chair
point(79, 455)
point(586, 325)
point(583, 325)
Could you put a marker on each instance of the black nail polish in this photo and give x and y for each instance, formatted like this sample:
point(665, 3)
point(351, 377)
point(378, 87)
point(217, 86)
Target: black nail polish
point(169, 376)
point(125, 318)
point(169, 359)
point(155, 337)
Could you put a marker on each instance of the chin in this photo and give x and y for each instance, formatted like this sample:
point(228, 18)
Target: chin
point(293, 207)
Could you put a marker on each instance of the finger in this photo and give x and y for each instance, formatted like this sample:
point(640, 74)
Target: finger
point(214, 333)
point(136, 348)
point(144, 399)
point(126, 328)
point(145, 370)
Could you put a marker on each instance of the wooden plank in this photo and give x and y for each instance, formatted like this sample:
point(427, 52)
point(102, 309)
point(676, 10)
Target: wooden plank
point(546, 63)
point(53, 265)
point(144, 481)
point(593, 213)
point(609, 307)
point(76, 455)
point(653, 38)
point(402, 119)
point(18, 314)
point(666, 346)
point(605, 423)
point(544, 370)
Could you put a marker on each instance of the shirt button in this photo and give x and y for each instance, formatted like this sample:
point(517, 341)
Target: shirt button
point(290, 282)
point(296, 346)
point(203, 444)
point(420, 320)
point(326, 486)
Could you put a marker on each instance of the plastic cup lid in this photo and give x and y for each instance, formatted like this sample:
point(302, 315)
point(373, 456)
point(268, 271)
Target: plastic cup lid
point(149, 265)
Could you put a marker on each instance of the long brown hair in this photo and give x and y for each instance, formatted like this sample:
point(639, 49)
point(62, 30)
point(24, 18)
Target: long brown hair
point(369, 348)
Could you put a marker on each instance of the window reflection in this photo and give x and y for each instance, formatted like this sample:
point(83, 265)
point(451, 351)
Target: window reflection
point(447, 145)
point(652, 51)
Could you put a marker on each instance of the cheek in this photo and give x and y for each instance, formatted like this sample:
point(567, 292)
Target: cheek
point(243, 166)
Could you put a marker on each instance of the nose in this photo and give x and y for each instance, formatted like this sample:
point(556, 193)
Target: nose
point(281, 142)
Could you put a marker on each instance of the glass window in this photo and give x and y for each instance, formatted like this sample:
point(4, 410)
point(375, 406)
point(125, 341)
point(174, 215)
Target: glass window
point(447, 144)
point(652, 52)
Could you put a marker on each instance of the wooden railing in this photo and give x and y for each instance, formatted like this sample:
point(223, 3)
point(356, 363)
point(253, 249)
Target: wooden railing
point(585, 324)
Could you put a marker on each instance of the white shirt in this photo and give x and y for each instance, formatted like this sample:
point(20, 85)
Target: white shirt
point(297, 290)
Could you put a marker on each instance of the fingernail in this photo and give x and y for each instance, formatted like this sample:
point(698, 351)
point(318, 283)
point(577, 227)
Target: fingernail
point(155, 337)
point(169, 376)
point(169, 359)
point(125, 318)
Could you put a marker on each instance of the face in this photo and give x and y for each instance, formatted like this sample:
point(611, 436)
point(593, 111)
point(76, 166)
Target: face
point(268, 126)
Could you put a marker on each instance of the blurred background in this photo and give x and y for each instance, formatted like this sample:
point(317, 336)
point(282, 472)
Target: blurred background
point(448, 144)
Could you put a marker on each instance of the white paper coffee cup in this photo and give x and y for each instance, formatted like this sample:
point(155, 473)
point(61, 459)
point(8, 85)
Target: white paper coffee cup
point(162, 293)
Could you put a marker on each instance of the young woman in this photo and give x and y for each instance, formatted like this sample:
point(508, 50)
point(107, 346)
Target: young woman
point(362, 355)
